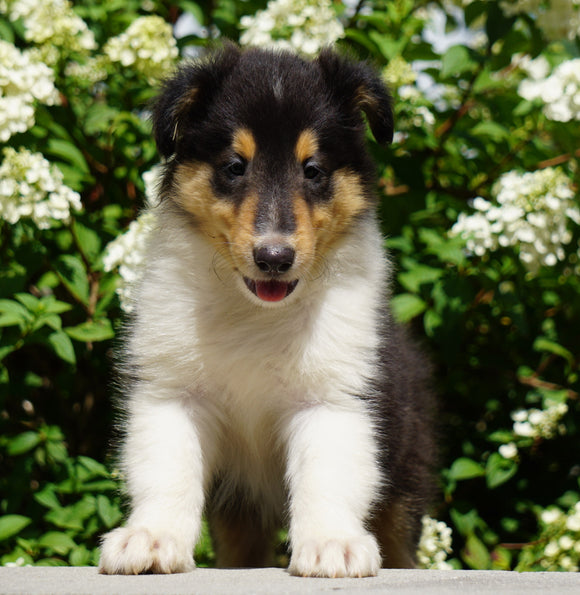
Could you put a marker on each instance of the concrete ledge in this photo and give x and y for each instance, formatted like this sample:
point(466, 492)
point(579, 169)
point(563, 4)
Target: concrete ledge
point(81, 581)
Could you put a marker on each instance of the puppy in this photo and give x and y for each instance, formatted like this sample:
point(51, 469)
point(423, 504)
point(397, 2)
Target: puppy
point(269, 385)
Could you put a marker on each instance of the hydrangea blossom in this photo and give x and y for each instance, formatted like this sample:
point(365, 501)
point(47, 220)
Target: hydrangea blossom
point(562, 532)
point(52, 25)
point(127, 252)
point(23, 80)
point(399, 72)
point(434, 545)
point(539, 423)
point(560, 91)
point(148, 47)
point(533, 212)
point(32, 187)
point(303, 25)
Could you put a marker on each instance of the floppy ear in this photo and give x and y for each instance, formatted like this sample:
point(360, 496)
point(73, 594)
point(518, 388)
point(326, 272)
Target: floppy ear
point(358, 88)
point(186, 96)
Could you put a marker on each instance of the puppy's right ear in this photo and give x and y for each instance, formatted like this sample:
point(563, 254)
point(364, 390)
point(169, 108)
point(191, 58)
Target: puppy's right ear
point(185, 97)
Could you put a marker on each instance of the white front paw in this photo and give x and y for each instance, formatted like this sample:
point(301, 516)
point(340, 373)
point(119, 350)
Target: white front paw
point(135, 550)
point(335, 557)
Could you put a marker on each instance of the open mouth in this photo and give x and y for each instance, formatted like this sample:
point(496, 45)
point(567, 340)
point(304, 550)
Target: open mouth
point(271, 290)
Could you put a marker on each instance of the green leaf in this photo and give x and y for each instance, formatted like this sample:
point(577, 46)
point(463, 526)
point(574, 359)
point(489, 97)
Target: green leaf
point(51, 562)
point(53, 306)
point(73, 274)
point(22, 443)
point(51, 320)
point(11, 319)
point(108, 511)
point(99, 118)
point(80, 556)
point(15, 311)
point(57, 451)
point(419, 275)
point(455, 61)
point(493, 130)
point(68, 152)
point(12, 524)
point(88, 240)
point(476, 554)
point(31, 302)
point(432, 321)
point(95, 468)
point(62, 346)
point(499, 470)
point(72, 517)
point(406, 306)
point(464, 468)
point(388, 46)
point(47, 498)
point(543, 344)
point(57, 542)
point(92, 330)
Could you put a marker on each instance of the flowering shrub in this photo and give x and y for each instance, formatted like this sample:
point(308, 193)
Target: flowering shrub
point(31, 187)
point(148, 47)
point(302, 25)
point(23, 81)
point(478, 199)
point(533, 214)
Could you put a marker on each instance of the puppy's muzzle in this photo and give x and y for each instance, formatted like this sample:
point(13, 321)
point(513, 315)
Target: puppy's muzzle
point(274, 258)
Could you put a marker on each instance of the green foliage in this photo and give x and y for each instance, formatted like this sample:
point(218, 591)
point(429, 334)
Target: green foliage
point(503, 339)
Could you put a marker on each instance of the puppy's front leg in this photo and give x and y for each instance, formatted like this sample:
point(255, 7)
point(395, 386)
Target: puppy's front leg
point(333, 478)
point(163, 463)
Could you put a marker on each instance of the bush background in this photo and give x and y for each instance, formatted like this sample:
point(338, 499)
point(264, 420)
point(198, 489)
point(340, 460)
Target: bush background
point(502, 339)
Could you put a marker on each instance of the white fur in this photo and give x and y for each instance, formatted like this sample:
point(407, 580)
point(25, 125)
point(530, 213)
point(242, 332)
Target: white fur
point(264, 394)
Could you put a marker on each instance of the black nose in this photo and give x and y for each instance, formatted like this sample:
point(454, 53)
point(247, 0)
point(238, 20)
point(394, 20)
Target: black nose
point(274, 258)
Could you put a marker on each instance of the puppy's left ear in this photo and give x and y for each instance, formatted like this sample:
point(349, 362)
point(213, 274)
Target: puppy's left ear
point(358, 88)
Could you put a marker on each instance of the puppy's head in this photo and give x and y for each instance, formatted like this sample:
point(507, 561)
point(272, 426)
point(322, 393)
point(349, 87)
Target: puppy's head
point(266, 154)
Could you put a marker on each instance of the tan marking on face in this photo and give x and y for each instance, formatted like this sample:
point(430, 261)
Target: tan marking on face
point(333, 219)
point(244, 144)
point(306, 146)
point(321, 227)
point(229, 227)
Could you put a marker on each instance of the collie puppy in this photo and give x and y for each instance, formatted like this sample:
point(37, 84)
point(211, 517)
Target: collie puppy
point(267, 383)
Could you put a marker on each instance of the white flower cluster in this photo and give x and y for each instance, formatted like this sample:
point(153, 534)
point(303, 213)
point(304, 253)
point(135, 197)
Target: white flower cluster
point(562, 552)
point(508, 451)
point(127, 252)
point(52, 25)
point(539, 423)
point(558, 19)
point(23, 80)
point(302, 25)
point(147, 46)
point(560, 91)
point(399, 72)
point(434, 545)
point(32, 187)
point(533, 212)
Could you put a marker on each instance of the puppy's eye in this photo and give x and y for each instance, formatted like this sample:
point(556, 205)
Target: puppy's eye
point(311, 170)
point(236, 167)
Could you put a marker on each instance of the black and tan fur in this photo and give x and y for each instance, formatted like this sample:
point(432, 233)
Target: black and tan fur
point(271, 385)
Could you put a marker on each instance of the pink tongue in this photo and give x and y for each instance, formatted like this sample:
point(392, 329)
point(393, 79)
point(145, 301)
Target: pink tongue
point(271, 291)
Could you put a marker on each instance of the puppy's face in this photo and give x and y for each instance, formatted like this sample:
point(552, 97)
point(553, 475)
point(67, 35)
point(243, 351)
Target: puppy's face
point(268, 159)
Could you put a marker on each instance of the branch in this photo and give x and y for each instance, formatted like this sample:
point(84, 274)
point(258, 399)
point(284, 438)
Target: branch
point(535, 382)
point(558, 160)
